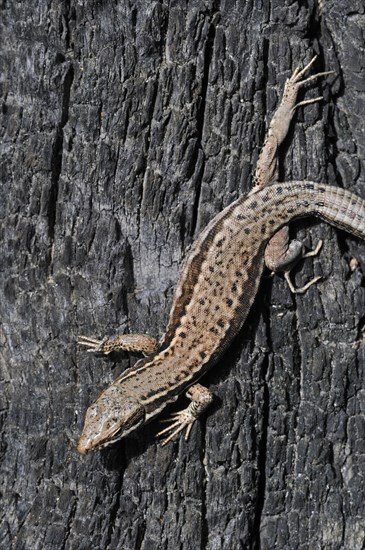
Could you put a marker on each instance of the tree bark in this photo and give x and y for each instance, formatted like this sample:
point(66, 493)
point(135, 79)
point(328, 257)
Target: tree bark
point(126, 126)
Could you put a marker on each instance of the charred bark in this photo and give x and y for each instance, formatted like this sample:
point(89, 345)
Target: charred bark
point(125, 128)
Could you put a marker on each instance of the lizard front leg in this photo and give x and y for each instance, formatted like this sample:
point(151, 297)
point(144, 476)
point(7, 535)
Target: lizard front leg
point(281, 256)
point(200, 398)
point(140, 343)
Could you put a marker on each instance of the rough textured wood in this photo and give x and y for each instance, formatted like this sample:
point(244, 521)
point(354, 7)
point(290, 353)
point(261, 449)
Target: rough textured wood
point(125, 127)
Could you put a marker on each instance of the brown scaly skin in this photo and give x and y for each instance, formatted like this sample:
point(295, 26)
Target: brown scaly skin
point(216, 289)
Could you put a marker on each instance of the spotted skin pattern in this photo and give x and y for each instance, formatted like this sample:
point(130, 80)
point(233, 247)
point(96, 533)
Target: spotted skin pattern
point(215, 292)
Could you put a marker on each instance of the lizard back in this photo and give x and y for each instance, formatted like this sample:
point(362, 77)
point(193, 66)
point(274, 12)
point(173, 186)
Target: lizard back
point(220, 279)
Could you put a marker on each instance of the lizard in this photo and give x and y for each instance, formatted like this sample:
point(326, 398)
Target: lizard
point(218, 284)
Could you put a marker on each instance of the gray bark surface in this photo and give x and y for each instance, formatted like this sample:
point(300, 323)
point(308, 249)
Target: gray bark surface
point(125, 127)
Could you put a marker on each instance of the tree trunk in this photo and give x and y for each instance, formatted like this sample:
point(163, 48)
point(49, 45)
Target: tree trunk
point(126, 126)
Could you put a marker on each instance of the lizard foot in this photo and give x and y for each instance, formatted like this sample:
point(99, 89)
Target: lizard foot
point(179, 421)
point(303, 289)
point(94, 345)
point(201, 398)
point(126, 342)
point(293, 83)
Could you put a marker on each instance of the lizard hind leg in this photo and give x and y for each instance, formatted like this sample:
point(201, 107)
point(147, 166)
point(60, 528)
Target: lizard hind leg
point(267, 164)
point(282, 255)
point(126, 342)
point(201, 398)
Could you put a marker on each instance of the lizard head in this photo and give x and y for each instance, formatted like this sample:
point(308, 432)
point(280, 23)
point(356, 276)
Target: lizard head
point(112, 416)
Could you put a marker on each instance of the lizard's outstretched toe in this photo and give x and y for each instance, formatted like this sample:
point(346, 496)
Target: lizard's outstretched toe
point(94, 345)
point(179, 421)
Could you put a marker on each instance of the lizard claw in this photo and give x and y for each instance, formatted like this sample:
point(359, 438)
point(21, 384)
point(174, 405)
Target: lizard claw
point(94, 345)
point(298, 73)
point(179, 421)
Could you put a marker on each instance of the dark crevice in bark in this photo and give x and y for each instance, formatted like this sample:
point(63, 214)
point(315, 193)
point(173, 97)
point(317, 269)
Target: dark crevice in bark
point(147, 143)
point(57, 149)
point(128, 265)
point(200, 117)
point(297, 359)
point(332, 154)
point(154, 94)
point(69, 523)
point(204, 520)
point(313, 31)
point(261, 459)
point(113, 512)
point(360, 336)
point(65, 28)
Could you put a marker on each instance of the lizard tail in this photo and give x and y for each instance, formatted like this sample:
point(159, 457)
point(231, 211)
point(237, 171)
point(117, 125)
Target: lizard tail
point(338, 207)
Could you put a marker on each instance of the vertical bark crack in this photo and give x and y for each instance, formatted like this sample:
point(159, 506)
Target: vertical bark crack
point(261, 461)
point(57, 150)
point(200, 119)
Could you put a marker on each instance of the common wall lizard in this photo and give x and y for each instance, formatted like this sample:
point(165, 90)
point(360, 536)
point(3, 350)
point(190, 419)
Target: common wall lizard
point(215, 292)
